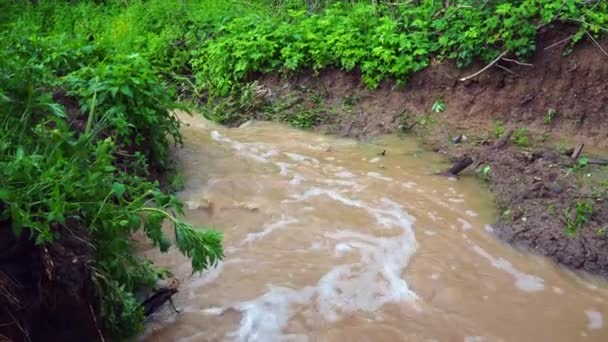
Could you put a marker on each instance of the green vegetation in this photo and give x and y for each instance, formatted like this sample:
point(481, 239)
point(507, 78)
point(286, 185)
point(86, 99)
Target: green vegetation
point(86, 88)
point(575, 217)
point(485, 173)
point(549, 117)
point(520, 137)
point(438, 106)
point(499, 129)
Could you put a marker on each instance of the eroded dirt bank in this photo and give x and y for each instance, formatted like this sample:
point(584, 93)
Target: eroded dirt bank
point(542, 193)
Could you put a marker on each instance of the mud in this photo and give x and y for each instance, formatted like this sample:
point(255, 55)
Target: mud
point(559, 97)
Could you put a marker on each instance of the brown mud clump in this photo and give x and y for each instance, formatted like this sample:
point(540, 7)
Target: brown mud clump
point(550, 203)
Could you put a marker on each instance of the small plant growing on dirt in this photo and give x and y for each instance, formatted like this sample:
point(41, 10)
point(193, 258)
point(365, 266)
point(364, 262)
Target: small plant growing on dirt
point(499, 129)
point(549, 116)
point(485, 173)
point(581, 163)
point(438, 106)
point(575, 217)
point(520, 137)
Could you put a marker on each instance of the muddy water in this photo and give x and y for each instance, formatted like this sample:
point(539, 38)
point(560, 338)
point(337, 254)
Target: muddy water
point(326, 240)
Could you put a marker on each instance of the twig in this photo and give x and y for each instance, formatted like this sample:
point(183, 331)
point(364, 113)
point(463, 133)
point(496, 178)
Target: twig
point(559, 42)
point(96, 326)
point(507, 70)
point(596, 43)
point(517, 62)
point(577, 151)
point(504, 53)
point(581, 21)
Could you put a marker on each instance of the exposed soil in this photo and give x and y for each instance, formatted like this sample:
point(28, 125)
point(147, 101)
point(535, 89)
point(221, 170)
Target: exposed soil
point(535, 186)
point(46, 292)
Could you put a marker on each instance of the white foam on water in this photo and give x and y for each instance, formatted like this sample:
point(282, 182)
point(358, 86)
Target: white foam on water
point(466, 225)
point(558, 290)
point(339, 182)
point(283, 168)
point(376, 175)
point(265, 317)
point(471, 213)
point(282, 223)
point(456, 200)
point(342, 248)
point(366, 284)
point(345, 174)
point(523, 281)
point(430, 232)
point(375, 160)
point(297, 179)
point(408, 185)
point(595, 319)
point(246, 150)
point(300, 158)
point(488, 228)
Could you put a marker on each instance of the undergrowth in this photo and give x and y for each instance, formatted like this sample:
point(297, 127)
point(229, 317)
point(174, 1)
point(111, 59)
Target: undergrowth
point(81, 128)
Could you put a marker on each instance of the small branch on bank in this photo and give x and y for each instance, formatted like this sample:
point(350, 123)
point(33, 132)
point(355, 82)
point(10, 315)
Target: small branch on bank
point(161, 296)
point(596, 43)
point(558, 43)
point(504, 140)
point(95, 322)
point(517, 62)
point(508, 70)
point(577, 151)
point(504, 53)
point(458, 166)
point(601, 162)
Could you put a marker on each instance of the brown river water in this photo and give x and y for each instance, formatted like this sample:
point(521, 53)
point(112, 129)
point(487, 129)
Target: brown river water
point(327, 240)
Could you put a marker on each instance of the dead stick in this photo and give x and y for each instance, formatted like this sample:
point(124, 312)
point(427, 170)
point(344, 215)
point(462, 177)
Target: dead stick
point(500, 143)
point(559, 42)
point(460, 165)
point(507, 70)
point(596, 43)
point(517, 62)
point(95, 322)
point(504, 53)
point(577, 151)
point(598, 162)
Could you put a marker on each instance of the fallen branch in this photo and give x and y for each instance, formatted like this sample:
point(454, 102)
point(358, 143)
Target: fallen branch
point(517, 62)
point(559, 42)
point(161, 296)
point(577, 151)
point(508, 70)
point(500, 143)
point(596, 43)
point(95, 322)
point(458, 166)
point(504, 53)
point(595, 161)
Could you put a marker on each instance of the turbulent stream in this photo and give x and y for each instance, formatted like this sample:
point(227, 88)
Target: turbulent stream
point(327, 239)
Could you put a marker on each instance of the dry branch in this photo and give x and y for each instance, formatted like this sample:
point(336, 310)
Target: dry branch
point(577, 151)
point(500, 143)
point(596, 43)
point(504, 53)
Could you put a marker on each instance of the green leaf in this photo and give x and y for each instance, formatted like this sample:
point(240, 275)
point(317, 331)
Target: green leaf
point(4, 194)
point(118, 189)
point(126, 90)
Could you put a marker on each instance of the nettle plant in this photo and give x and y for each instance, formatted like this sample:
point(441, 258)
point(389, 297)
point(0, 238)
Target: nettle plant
point(62, 181)
point(123, 97)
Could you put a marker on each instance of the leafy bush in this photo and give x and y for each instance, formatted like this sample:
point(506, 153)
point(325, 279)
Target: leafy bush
point(67, 170)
